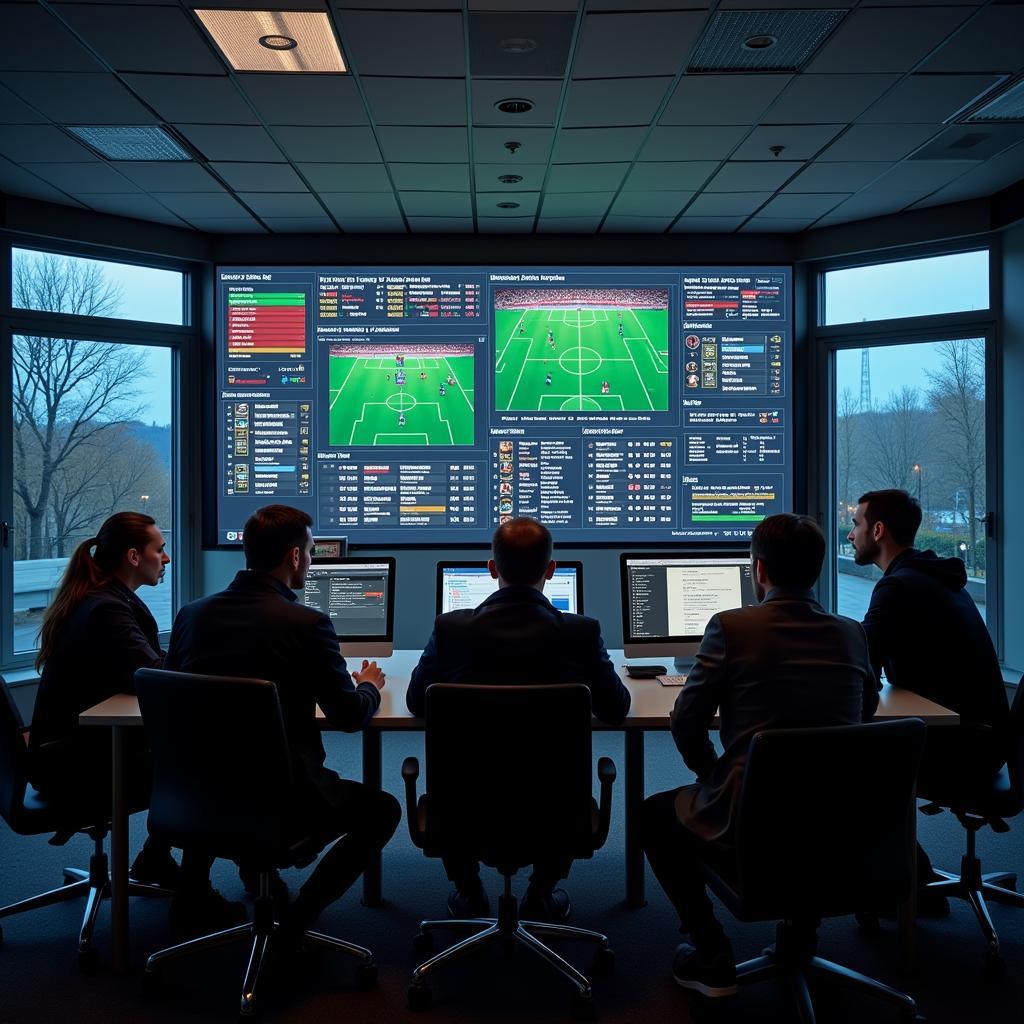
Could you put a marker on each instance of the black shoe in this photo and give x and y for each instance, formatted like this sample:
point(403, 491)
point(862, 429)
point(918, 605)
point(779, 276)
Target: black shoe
point(714, 978)
point(552, 907)
point(205, 910)
point(155, 867)
point(279, 894)
point(471, 903)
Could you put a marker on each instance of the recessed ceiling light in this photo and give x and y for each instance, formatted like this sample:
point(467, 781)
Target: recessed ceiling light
point(274, 40)
point(508, 206)
point(130, 142)
point(514, 105)
point(510, 179)
point(517, 45)
point(763, 42)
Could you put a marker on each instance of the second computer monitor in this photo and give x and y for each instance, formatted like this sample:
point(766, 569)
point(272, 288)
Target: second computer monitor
point(359, 596)
point(667, 601)
point(467, 584)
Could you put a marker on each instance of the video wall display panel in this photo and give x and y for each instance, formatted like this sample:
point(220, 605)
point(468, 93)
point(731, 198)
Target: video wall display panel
point(427, 405)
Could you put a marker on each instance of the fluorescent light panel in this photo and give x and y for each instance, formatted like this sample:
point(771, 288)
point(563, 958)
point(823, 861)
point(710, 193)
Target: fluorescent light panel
point(130, 142)
point(238, 34)
point(1007, 106)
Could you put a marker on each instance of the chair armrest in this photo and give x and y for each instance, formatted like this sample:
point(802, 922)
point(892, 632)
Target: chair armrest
point(606, 774)
point(410, 773)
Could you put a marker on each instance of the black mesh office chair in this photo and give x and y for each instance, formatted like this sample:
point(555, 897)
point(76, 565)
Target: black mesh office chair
point(979, 803)
point(222, 785)
point(508, 783)
point(29, 813)
point(823, 830)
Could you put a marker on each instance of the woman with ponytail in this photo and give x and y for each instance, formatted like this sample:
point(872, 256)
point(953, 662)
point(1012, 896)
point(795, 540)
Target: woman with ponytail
point(95, 634)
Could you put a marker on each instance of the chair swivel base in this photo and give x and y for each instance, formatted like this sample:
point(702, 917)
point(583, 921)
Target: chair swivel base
point(508, 931)
point(793, 960)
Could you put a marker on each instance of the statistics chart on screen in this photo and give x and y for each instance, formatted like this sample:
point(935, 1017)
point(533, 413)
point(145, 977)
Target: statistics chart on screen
point(428, 405)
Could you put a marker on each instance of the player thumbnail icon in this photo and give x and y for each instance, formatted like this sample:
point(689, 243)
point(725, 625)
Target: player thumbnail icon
point(505, 506)
point(505, 487)
point(505, 467)
point(692, 380)
point(691, 367)
point(505, 447)
point(692, 341)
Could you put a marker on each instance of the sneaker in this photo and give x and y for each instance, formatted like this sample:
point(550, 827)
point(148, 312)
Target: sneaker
point(155, 867)
point(713, 978)
point(279, 894)
point(552, 907)
point(468, 904)
point(205, 911)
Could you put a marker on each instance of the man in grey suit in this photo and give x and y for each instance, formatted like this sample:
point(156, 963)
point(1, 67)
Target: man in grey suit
point(784, 663)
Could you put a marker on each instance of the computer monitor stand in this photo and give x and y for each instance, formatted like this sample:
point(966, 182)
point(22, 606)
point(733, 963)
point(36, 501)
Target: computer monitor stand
point(684, 662)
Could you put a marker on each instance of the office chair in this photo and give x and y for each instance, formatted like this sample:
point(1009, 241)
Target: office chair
point(823, 829)
point(222, 785)
point(508, 784)
point(29, 813)
point(977, 804)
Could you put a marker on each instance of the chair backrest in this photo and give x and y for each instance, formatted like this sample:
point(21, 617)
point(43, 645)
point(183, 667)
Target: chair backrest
point(825, 818)
point(222, 779)
point(1015, 751)
point(13, 756)
point(508, 772)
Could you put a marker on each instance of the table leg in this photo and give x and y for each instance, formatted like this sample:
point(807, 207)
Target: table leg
point(907, 912)
point(372, 777)
point(634, 799)
point(118, 855)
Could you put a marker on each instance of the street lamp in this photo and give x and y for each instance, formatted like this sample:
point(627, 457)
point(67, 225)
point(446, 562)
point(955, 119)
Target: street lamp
point(144, 498)
point(918, 472)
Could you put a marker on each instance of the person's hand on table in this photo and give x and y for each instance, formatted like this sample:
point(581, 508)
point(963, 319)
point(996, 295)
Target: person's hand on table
point(371, 672)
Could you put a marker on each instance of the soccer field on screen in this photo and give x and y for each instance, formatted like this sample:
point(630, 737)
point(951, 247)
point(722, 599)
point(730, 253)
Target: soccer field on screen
point(367, 404)
point(588, 352)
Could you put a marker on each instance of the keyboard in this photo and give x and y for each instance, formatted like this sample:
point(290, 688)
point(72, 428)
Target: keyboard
point(667, 680)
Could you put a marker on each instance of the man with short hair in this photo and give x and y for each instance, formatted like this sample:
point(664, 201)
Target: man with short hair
point(783, 663)
point(256, 628)
point(518, 636)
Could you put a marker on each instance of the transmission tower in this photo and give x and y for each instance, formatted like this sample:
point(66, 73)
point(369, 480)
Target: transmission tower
point(865, 380)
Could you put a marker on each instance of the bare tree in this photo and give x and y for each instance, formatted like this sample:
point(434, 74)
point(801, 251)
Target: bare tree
point(899, 439)
point(847, 437)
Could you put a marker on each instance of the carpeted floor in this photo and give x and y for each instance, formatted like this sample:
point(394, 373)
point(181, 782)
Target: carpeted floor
point(39, 979)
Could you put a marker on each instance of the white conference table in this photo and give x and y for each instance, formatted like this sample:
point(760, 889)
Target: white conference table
point(650, 708)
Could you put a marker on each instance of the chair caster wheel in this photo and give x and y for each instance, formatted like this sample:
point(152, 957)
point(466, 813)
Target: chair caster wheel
point(1, 936)
point(869, 923)
point(88, 960)
point(423, 943)
point(603, 963)
point(366, 977)
point(582, 1007)
point(995, 966)
point(419, 997)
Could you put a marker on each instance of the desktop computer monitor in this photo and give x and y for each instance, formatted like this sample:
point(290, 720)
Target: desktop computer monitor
point(668, 600)
point(467, 584)
point(359, 596)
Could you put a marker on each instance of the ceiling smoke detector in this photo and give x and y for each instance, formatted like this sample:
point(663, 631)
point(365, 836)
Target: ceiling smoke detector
point(517, 45)
point(510, 179)
point(761, 42)
point(508, 206)
point(514, 105)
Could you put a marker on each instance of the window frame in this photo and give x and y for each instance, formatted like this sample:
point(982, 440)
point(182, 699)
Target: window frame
point(182, 341)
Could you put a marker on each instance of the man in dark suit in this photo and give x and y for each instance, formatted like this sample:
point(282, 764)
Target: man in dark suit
point(517, 636)
point(256, 628)
point(784, 663)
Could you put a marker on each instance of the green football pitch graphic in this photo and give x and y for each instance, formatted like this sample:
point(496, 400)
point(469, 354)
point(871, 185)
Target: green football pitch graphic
point(366, 403)
point(588, 350)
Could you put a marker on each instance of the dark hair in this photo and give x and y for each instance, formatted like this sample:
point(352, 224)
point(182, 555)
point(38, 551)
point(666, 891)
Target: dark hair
point(791, 548)
point(87, 570)
point(897, 510)
point(522, 550)
point(270, 533)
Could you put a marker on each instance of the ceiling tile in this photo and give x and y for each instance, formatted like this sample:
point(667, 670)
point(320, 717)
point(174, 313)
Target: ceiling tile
point(505, 225)
point(436, 204)
point(487, 205)
point(392, 42)
point(711, 225)
point(78, 98)
point(82, 179)
point(880, 39)
point(921, 176)
point(971, 142)
point(16, 181)
point(300, 225)
point(677, 174)
point(532, 174)
point(878, 142)
point(827, 99)
point(586, 177)
point(863, 207)
point(346, 177)
point(13, 111)
point(534, 144)
point(808, 205)
point(638, 43)
point(777, 225)
point(191, 205)
point(158, 176)
point(722, 99)
point(569, 225)
point(545, 96)
point(139, 207)
point(753, 176)
point(922, 98)
point(230, 141)
point(373, 225)
point(727, 204)
point(837, 177)
point(551, 30)
point(595, 102)
point(193, 99)
point(305, 99)
point(693, 142)
point(591, 204)
point(353, 145)
point(442, 225)
point(260, 177)
point(580, 145)
point(24, 142)
point(282, 204)
point(424, 145)
point(990, 42)
point(143, 38)
point(227, 225)
point(995, 174)
point(40, 42)
point(650, 204)
point(801, 141)
point(635, 225)
point(416, 100)
point(346, 206)
point(443, 177)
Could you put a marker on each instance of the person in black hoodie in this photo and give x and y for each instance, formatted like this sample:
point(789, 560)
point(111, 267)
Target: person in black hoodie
point(925, 632)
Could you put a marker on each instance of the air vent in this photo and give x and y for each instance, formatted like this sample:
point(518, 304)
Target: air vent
point(514, 105)
point(971, 142)
point(130, 142)
point(1007, 106)
point(762, 40)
